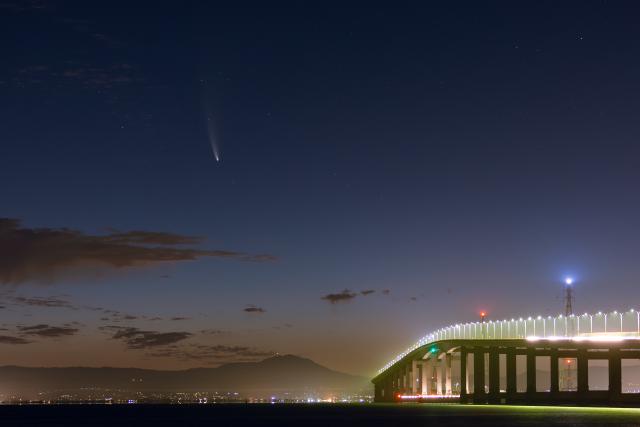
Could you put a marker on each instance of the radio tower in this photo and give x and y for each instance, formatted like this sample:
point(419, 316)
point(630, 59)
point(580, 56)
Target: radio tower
point(568, 297)
point(566, 376)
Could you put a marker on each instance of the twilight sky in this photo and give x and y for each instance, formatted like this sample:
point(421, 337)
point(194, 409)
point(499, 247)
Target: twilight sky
point(383, 171)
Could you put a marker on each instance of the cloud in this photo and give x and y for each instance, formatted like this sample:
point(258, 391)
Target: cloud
point(414, 298)
point(367, 292)
point(254, 309)
point(45, 254)
point(5, 339)
point(42, 302)
point(213, 331)
point(178, 318)
point(386, 291)
point(343, 296)
point(137, 339)
point(212, 354)
point(47, 331)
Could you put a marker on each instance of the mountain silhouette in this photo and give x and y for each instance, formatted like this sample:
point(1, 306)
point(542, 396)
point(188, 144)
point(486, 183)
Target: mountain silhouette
point(276, 374)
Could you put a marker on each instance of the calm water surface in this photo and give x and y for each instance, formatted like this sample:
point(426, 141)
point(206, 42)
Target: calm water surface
point(404, 415)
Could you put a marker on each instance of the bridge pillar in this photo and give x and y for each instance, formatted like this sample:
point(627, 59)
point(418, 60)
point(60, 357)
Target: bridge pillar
point(494, 375)
point(463, 375)
point(447, 373)
point(415, 377)
point(531, 370)
point(407, 378)
point(512, 383)
point(555, 377)
point(583, 372)
point(439, 375)
point(615, 374)
point(479, 393)
point(424, 381)
point(389, 390)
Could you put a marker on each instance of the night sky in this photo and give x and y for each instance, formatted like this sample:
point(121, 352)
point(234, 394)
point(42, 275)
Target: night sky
point(450, 157)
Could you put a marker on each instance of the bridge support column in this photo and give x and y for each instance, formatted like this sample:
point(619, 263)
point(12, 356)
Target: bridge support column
point(407, 379)
point(439, 375)
point(512, 383)
point(463, 375)
point(555, 377)
point(583, 373)
point(447, 373)
point(415, 377)
point(389, 393)
point(615, 374)
point(479, 393)
point(424, 378)
point(494, 375)
point(531, 370)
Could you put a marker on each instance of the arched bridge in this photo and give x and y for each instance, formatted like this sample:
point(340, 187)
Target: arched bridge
point(578, 358)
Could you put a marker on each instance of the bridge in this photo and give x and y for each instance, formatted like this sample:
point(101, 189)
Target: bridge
point(589, 358)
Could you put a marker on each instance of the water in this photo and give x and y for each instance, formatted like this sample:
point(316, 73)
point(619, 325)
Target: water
point(404, 415)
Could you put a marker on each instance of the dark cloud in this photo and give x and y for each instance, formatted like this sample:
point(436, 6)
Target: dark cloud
point(178, 318)
point(44, 254)
point(46, 331)
point(5, 339)
point(211, 354)
point(137, 339)
point(414, 298)
point(41, 301)
point(343, 296)
point(367, 292)
point(386, 291)
point(213, 331)
point(254, 309)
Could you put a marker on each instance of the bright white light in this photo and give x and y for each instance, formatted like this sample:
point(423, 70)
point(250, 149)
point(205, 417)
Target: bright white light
point(568, 280)
point(603, 338)
point(428, 396)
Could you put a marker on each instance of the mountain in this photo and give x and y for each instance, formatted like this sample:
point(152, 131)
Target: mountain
point(276, 374)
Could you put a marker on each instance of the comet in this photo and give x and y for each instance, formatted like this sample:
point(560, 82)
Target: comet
point(211, 128)
point(212, 137)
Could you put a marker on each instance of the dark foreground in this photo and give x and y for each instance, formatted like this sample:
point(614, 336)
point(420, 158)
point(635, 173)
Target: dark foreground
point(404, 415)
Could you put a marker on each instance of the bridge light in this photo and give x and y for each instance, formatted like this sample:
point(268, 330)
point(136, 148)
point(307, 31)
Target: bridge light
point(482, 316)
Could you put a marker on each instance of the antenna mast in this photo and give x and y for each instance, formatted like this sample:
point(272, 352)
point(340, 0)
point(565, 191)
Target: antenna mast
point(568, 297)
